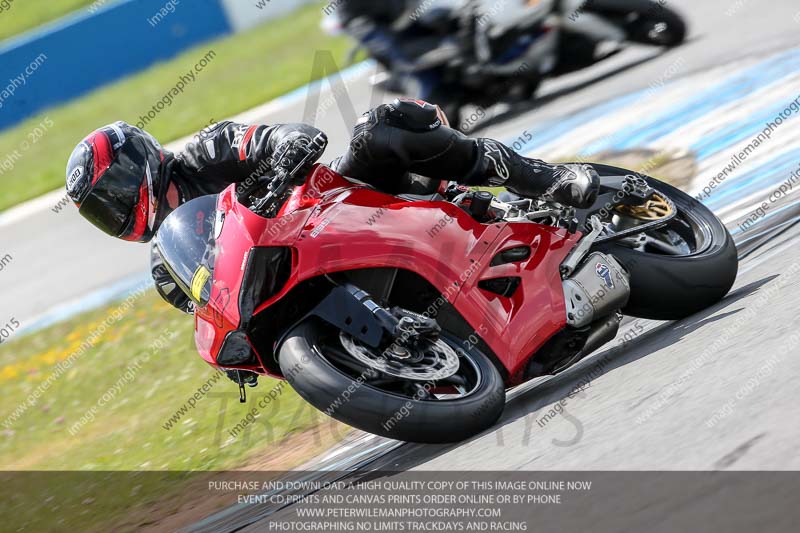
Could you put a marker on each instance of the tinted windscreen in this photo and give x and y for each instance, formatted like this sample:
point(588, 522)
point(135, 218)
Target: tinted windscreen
point(186, 243)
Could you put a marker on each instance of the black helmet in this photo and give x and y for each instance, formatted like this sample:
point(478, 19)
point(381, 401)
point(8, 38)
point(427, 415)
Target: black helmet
point(116, 178)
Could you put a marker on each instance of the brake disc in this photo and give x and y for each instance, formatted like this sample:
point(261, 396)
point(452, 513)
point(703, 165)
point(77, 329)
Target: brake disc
point(434, 361)
point(668, 212)
point(657, 208)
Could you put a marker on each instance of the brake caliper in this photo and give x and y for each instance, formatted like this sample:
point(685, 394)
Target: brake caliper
point(637, 190)
point(411, 330)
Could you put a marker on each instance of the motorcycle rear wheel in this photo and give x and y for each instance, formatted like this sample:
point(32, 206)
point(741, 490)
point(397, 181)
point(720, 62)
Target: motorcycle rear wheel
point(313, 362)
point(669, 286)
point(666, 28)
point(645, 21)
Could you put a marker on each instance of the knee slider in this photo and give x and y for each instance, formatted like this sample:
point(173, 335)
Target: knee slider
point(413, 115)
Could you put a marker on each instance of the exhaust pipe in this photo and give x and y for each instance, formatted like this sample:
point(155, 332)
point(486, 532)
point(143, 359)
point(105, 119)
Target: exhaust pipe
point(602, 332)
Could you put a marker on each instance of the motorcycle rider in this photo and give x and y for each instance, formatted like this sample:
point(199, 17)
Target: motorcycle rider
point(396, 33)
point(125, 183)
point(377, 25)
point(399, 34)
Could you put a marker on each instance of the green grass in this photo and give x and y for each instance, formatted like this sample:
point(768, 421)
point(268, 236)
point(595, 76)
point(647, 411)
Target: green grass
point(22, 15)
point(248, 69)
point(127, 433)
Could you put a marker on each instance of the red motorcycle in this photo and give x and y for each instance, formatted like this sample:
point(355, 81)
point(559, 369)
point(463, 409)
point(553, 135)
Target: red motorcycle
point(409, 316)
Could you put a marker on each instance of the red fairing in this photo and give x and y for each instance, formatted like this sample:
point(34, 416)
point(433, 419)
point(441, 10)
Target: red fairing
point(518, 326)
point(242, 231)
point(335, 225)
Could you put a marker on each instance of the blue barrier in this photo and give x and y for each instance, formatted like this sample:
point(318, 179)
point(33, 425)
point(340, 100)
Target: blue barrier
point(82, 52)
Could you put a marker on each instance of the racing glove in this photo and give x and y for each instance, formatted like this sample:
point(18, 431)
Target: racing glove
point(298, 148)
point(227, 152)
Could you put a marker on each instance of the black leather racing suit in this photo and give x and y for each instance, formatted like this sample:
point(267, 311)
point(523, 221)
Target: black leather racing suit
point(399, 147)
point(396, 32)
point(384, 12)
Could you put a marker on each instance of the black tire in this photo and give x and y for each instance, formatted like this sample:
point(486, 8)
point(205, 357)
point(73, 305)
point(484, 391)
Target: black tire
point(576, 51)
point(650, 13)
point(368, 408)
point(674, 35)
point(667, 287)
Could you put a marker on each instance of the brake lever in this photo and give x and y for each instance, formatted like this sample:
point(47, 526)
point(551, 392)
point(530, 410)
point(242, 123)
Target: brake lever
point(282, 179)
point(277, 186)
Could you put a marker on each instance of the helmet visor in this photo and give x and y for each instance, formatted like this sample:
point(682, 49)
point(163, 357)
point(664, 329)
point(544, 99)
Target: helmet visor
point(114, 200)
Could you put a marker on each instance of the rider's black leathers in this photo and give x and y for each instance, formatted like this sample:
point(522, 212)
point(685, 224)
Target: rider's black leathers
point(384, 12)
point(393, 141)
point(395, 147)
point(396, 33)
point(226, 153)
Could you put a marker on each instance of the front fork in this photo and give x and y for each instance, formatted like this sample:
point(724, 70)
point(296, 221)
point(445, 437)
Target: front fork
point(355, 312)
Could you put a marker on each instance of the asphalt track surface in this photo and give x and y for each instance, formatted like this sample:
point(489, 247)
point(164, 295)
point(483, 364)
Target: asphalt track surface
point(715, 391)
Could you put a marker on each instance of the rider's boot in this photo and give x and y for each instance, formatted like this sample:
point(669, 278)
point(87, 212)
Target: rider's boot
point(575, 185)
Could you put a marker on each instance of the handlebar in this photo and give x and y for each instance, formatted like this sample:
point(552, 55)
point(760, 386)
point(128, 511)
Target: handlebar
point(281, 178)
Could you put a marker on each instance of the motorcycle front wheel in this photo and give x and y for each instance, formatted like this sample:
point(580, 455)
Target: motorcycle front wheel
point(419, 398)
